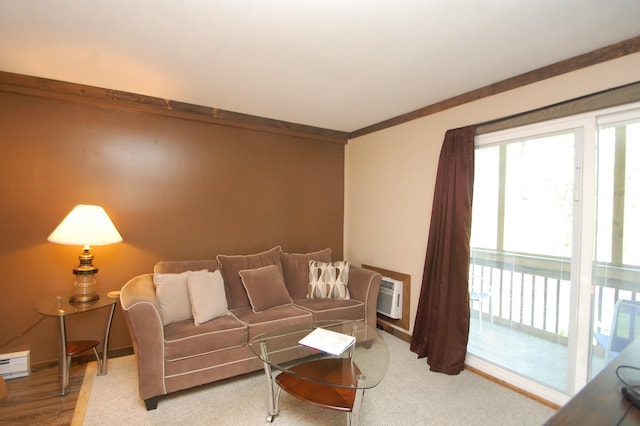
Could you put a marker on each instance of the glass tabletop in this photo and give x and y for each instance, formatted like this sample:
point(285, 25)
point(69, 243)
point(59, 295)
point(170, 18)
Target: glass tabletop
point(366, 360)
point(56, 306)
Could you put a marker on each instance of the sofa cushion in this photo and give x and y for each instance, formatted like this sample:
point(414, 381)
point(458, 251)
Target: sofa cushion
point(271, 319)
point(207, 295)
point(333, 309)
point(295, 269)
point(184, 340)
point(265, 288)
point(173, 297)
point(231, 267)
point(328, 280)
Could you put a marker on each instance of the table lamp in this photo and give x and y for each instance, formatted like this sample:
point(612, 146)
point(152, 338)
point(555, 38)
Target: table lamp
point(85, 226)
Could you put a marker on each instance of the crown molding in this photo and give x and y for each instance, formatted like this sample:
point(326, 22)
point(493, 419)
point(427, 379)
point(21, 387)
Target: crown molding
point(125, 101)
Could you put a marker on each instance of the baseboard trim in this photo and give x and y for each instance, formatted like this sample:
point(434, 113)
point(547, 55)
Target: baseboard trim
point(394, 331)
point(83, 359)
point(512, 387)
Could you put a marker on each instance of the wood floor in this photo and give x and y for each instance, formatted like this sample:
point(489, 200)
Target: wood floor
point(36, 399)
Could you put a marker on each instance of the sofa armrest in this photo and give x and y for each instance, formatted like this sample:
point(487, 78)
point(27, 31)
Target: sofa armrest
point(140, 307)
point(364, 286)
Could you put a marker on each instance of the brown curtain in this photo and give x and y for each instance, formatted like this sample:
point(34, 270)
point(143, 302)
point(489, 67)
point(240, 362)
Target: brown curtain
point(441, 329)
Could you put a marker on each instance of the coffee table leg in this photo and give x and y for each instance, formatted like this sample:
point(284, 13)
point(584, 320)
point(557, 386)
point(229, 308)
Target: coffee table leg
point(352, 419)
point(274, 399)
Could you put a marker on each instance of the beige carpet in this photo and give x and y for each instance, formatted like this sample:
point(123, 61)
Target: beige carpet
point(409, 395)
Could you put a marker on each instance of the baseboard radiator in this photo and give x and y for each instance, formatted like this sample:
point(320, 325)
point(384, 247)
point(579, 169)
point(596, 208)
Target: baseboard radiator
point(15, 364)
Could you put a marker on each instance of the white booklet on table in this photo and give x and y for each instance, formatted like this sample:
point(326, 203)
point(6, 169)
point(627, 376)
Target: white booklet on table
point(328, 341)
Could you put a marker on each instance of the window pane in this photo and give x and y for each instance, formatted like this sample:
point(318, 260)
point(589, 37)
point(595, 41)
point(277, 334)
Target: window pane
point(631, 252)
point(485, 197)
point(521, 249)
point(606, 158)
point(539, 195)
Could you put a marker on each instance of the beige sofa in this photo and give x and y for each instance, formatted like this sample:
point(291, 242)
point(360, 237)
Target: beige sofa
point(179, 350)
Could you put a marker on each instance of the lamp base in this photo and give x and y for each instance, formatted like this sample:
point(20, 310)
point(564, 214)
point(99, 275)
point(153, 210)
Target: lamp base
point(85, 279)
point(84, 298)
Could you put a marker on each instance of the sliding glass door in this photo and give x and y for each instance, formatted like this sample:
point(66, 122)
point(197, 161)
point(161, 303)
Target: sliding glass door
point(552, 206)
point(616, 315)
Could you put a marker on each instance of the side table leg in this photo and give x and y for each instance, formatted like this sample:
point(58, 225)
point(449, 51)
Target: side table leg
point(64, 366)
point(103, 367)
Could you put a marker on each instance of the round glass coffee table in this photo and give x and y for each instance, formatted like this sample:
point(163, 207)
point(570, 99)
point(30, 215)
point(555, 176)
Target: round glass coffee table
point(326, 380)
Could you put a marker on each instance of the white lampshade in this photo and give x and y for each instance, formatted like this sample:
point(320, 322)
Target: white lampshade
point(86, 226)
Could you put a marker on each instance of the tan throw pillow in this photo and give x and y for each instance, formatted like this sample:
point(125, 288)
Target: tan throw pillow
point(295, 269)
point(173, 297)
point(328, 280)
point(232, 265)
point(207, 296)
point(265, 288)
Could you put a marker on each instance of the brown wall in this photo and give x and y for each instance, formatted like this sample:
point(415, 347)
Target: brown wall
point(175, 188)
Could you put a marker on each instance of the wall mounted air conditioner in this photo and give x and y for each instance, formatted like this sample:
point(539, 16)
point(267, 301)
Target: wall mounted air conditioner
point(15, 364)
point(390, 298)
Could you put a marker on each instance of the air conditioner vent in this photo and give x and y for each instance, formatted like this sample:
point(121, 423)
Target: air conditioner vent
point(390, 298)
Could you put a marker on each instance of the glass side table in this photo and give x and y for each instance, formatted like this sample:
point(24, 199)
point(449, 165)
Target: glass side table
point(59, 306)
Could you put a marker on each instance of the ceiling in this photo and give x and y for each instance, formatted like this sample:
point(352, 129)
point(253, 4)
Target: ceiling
point(334, 64)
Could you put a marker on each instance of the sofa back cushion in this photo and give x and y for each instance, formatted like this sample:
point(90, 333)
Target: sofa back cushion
point(233, 264)
point(178, 266)
point(295, 269)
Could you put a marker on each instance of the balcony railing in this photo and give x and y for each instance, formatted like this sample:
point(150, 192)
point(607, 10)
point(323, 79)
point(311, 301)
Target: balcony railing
point(532, 292)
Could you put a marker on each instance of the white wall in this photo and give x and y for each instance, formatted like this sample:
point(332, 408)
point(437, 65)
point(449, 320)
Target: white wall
point(390, 174)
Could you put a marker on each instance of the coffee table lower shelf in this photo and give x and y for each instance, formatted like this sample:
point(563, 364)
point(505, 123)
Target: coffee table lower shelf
point(325, 396)
point(345, 397)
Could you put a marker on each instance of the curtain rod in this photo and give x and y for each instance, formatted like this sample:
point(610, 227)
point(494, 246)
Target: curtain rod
point(607, 98)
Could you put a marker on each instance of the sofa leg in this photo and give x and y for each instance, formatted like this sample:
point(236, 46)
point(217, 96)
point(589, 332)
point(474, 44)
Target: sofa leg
point(151, 403)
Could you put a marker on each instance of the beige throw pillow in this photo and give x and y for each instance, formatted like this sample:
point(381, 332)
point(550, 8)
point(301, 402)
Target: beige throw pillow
point(328, 280)
point(265, 288)
point(207, 295)
point(173, 297)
